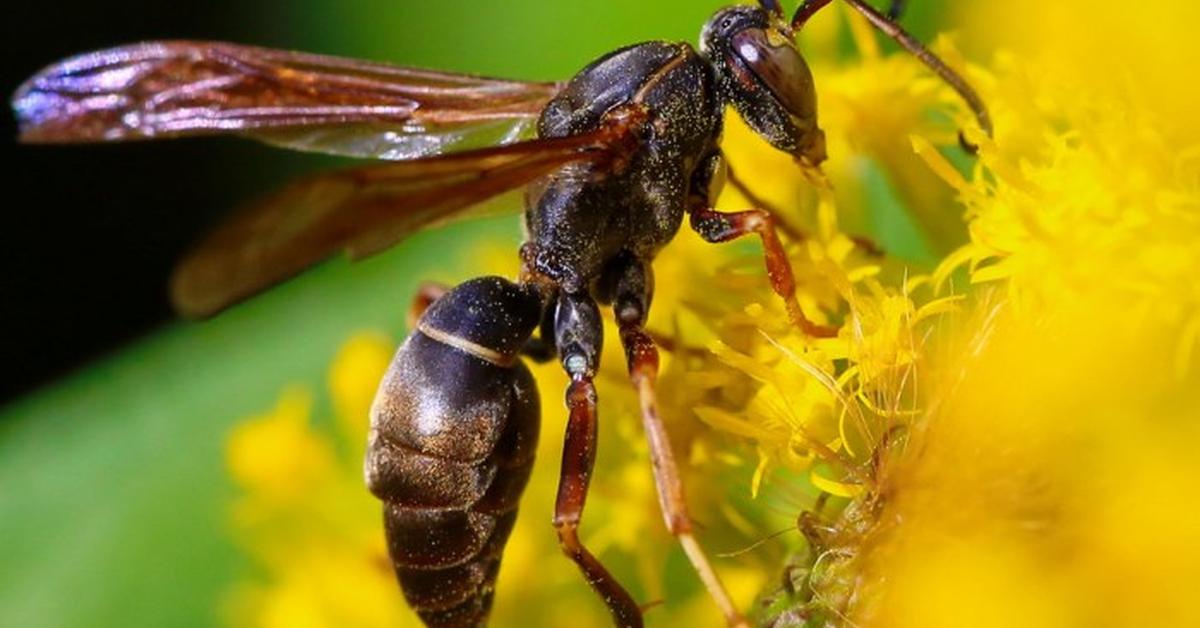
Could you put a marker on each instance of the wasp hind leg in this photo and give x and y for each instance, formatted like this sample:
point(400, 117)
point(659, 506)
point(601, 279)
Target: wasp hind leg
point(578, 336)
point(427, 293)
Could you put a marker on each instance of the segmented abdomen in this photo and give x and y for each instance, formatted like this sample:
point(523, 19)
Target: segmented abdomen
point(450, 450)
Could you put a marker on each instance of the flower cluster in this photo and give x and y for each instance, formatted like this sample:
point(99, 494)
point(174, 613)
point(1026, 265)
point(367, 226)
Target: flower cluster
point(1046, 476)
point(999, 433)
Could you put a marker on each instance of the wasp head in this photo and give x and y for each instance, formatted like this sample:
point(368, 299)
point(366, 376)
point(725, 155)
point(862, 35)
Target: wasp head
point(762, 75)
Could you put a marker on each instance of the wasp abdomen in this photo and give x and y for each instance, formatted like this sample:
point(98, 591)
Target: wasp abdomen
point(453, 434)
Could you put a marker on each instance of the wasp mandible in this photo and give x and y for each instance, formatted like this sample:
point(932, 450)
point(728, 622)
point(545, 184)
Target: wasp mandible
point(624, 151)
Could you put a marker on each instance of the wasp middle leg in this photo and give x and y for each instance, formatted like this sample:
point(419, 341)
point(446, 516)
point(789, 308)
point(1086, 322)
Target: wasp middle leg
point(633, 285)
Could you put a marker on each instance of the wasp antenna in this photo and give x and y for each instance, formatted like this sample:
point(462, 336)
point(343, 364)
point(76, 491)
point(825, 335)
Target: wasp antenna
point(918, 50)
point(966, 144)
point(889, 27)
point(807, 9)
point(773, 7)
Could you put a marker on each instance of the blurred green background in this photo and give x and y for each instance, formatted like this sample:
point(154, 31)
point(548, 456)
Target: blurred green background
point(113, 492)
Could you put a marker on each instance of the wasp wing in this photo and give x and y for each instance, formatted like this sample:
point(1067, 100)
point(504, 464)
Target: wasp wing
point(365, 210)
point(297, 100)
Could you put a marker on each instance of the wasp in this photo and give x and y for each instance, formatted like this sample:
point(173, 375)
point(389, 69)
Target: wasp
point(611, 162)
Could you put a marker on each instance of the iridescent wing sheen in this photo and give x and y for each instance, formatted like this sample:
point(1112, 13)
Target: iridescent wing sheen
point(297, 100)
point(365, 210)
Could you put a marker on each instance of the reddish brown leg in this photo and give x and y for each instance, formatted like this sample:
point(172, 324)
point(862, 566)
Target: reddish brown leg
point(715, 226)
point(631, 305)
point(867, 245)
point(642, 358)
point(427, 293)
point(579, 452)
point(578, 337)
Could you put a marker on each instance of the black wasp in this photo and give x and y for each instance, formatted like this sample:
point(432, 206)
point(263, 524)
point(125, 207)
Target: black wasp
point(623, 152)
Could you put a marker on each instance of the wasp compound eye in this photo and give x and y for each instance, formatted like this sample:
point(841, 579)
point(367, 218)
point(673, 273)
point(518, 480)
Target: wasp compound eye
point(769, 84)
point(773, 60)
point(727, 22)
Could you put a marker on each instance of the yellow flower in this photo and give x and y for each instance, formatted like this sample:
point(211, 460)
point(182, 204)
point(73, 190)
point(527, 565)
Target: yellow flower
point(304, 514)
point(820, 407)
point(283, 471)
point(1137, 55)
point(999, 434)
point(306, 518)
point(1045, 477)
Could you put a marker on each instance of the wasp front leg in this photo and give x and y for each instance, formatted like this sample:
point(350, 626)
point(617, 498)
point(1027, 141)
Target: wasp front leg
point(633, 286)
point(715, 226)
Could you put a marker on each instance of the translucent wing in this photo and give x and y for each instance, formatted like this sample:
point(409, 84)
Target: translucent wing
point(365, 210)
point(298, 100)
